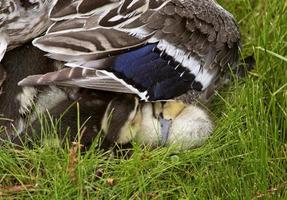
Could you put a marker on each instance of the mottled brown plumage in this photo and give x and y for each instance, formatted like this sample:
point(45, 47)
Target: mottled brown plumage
point(21, 21)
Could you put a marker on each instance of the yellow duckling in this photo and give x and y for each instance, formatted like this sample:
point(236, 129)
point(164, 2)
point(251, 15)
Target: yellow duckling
point(174, 123)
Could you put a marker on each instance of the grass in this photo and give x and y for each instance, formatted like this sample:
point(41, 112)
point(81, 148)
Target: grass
point(246, 158)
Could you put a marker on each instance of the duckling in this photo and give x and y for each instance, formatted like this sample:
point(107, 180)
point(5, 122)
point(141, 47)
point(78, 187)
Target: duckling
point(119, 119)
point(17, 102)
point(121, 115)
point(158, 50)
point(173, 123)
point(183, 126)
point(61, 117)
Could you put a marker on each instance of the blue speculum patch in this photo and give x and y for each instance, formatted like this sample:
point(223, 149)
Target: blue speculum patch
point(149, 69)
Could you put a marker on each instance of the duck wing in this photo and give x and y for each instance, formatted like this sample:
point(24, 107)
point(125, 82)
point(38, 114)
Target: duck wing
point(161, 48)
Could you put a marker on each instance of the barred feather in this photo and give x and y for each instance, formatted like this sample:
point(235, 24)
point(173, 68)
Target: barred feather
point(21, 21)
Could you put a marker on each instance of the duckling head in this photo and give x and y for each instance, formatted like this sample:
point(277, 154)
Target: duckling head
point(173, 124)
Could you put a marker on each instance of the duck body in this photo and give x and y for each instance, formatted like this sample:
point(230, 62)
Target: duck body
point(158, 50)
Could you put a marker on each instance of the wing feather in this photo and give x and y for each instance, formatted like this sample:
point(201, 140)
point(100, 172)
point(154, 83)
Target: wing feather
point(201, 26)
point(80, 77)
point(69, 9)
